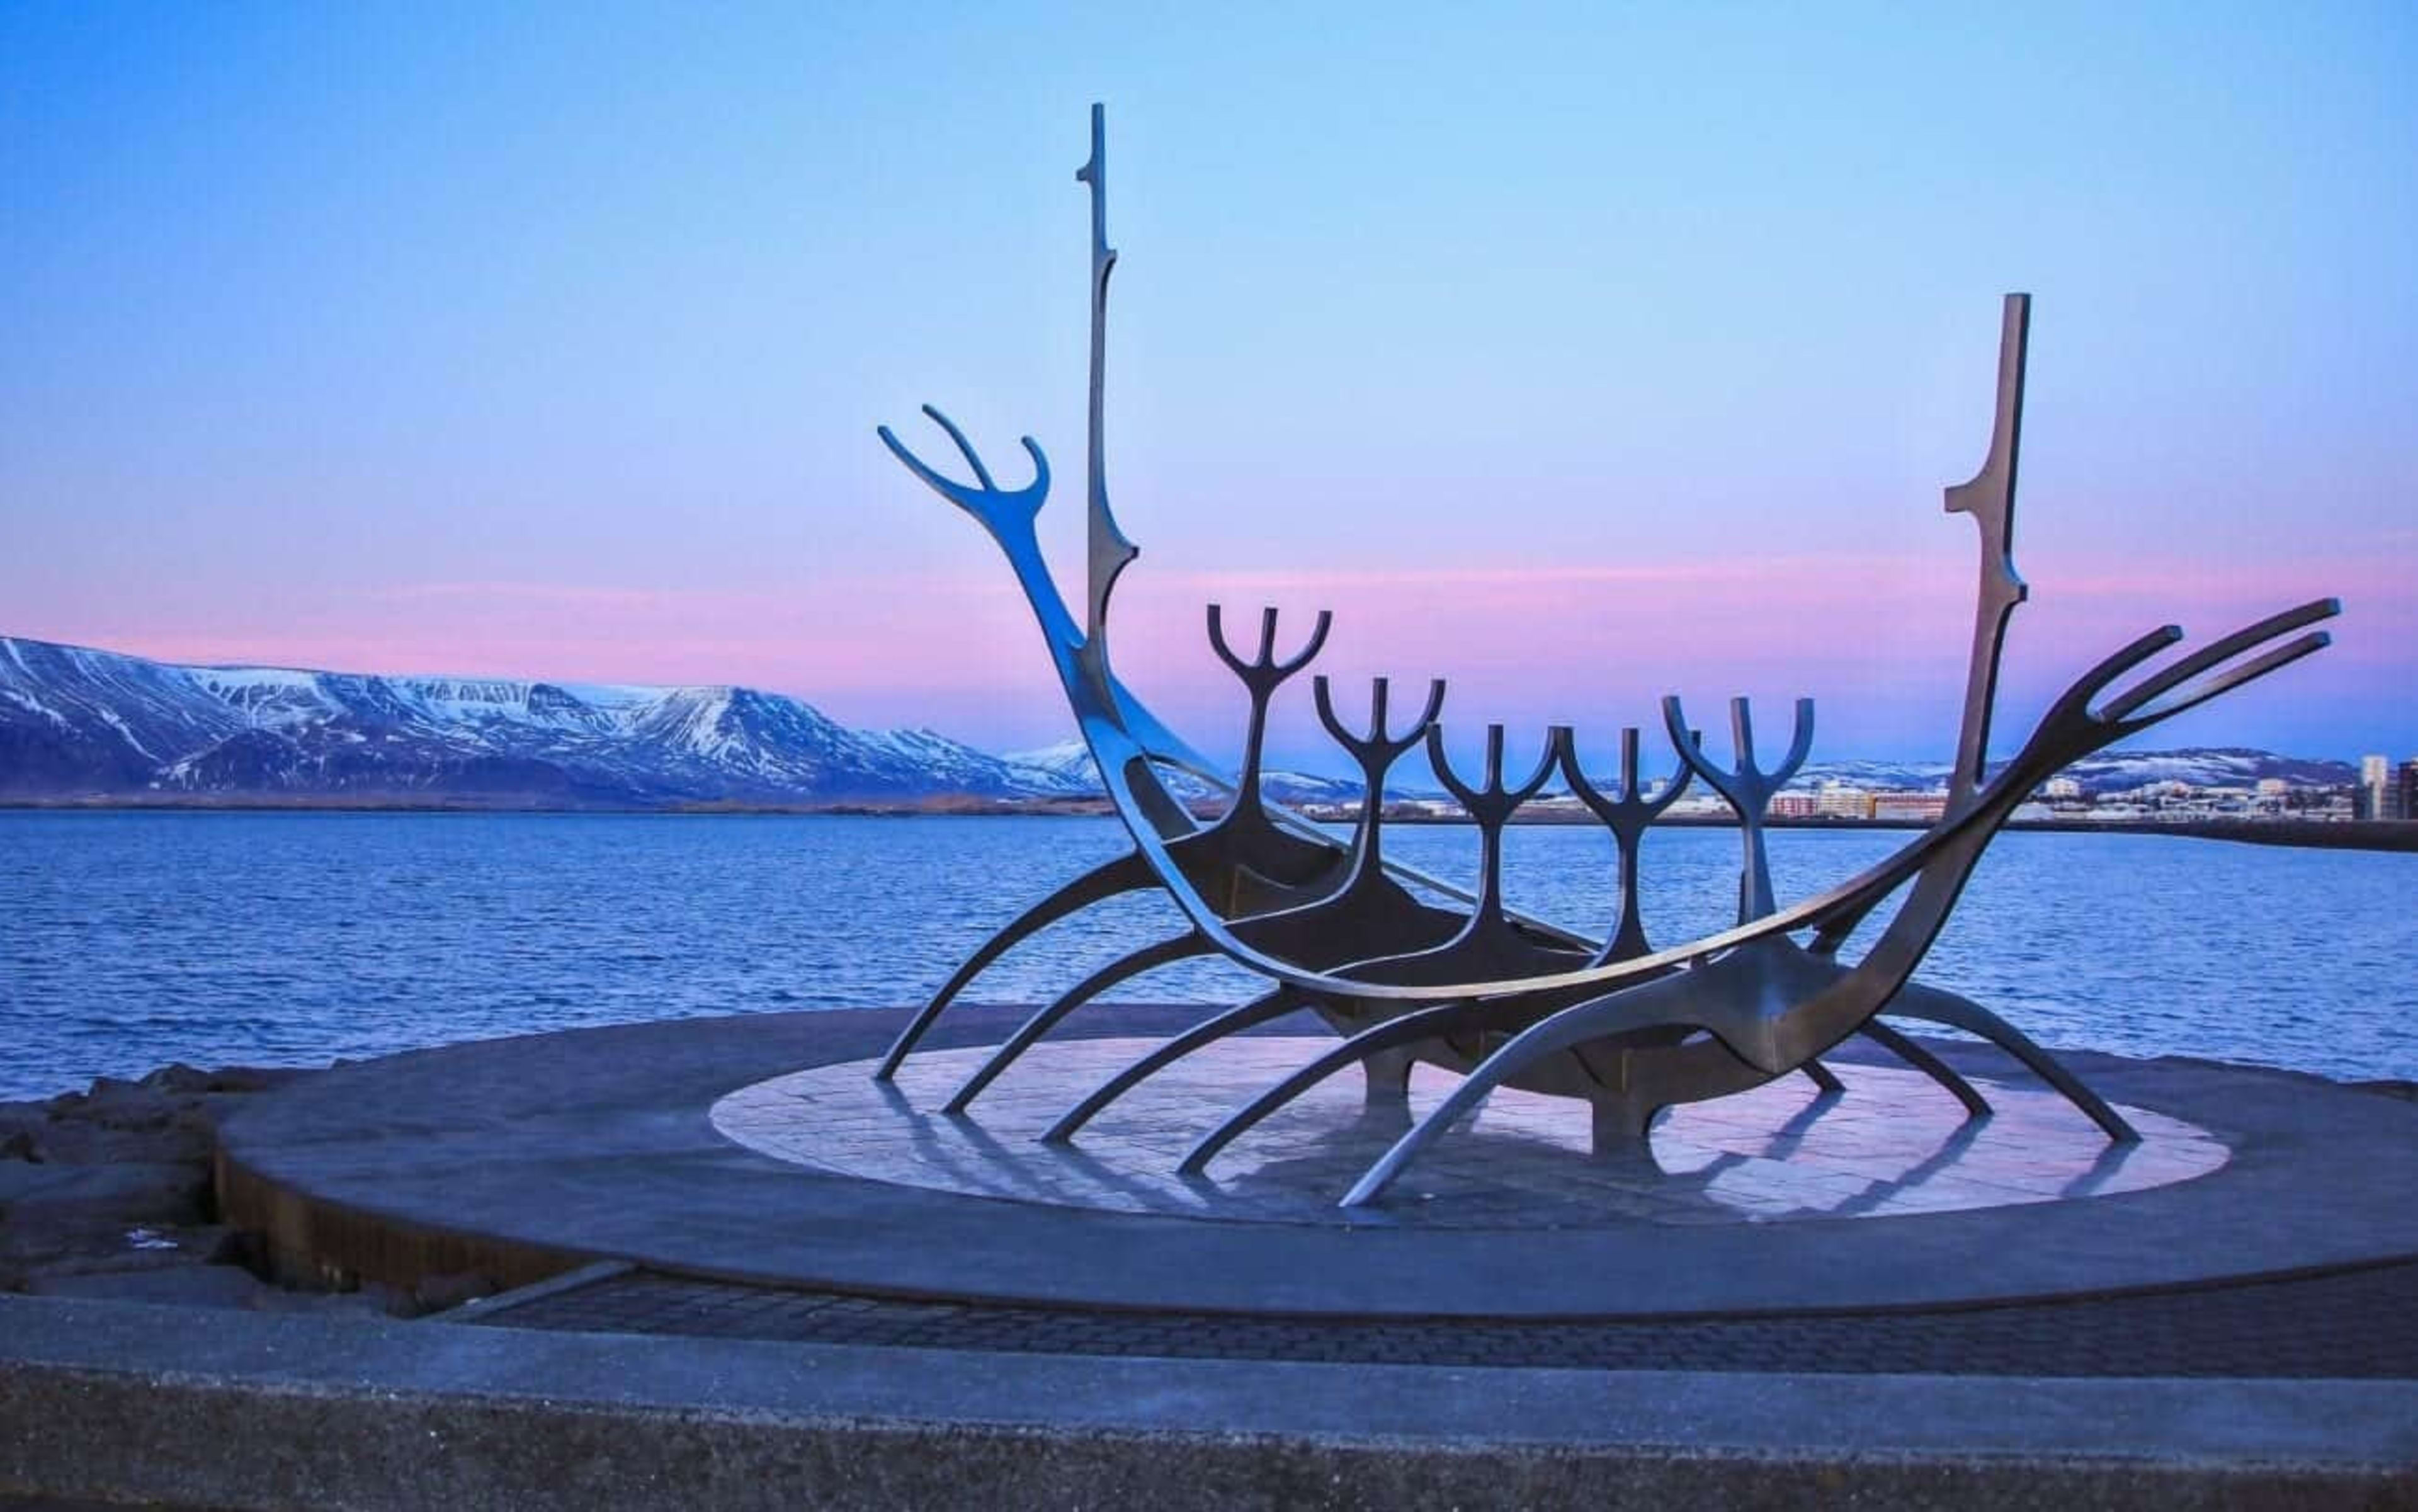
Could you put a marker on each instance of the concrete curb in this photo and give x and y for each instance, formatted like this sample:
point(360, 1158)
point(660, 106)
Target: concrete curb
point(122, 1402)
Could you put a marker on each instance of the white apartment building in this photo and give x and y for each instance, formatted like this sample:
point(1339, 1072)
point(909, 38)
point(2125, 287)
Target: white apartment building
point(2376, 789)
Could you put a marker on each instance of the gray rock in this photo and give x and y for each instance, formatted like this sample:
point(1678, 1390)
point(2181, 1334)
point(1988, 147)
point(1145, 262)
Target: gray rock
point(436, 1293)
point(116, 1130)
point(244, 1080)
point(179, 1080)
point(170, 1115)
point(188, 1284)
point(177, 1077)
point(371, 1303)
point(125, 1194)
point(110, 1187)
point(21, 1179)
point(148, 1247)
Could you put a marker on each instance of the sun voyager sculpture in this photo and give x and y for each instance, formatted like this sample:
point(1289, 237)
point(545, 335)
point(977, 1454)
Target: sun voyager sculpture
point(1337, 929)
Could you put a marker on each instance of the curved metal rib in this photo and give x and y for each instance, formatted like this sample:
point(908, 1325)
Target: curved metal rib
point(1770, 1003)
point(1489, 804)
point(1631, 816)
point(1367, 913)
point(2151, 689)
point(2066, 733)
point(1549, 1036)
point(1747, 788)
point(1775, 1003)
point(1244, 848)
point(1260, 676)
point(1627, 817)
point(1128, 873)
point(1672, 1002)
point(1167, 951)
point(999, 509)
point(1374, 753)
point(1266, 1008)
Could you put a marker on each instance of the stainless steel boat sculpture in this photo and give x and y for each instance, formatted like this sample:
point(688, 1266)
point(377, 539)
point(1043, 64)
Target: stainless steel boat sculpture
point(1336, 928)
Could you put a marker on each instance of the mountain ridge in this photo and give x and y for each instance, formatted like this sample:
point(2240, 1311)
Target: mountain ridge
point(84, 724)
point(80, 721)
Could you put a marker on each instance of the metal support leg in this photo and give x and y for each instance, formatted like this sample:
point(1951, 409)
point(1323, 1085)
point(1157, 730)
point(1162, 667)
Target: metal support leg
point(1260, 1010)
point(1388, 1074)
point(1408, 1030)
point(1619, 1126)
point(1929, 1065)
point(1182, 947)
point(1126, 874)
point(1963, 1013)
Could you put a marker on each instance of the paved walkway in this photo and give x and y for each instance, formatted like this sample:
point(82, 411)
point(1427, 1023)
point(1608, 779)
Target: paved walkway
point(2362, 1326)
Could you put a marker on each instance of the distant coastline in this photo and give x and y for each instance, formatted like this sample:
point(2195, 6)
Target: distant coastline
point(2321, 835)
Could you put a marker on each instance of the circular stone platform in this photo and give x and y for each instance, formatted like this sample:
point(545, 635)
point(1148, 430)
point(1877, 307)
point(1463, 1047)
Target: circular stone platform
point(519, 1155)
point(1894, 1143)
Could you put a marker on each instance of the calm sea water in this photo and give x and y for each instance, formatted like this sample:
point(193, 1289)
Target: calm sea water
point(128, 939)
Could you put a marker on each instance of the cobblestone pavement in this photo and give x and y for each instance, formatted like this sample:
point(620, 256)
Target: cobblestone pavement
point(2363, 1325)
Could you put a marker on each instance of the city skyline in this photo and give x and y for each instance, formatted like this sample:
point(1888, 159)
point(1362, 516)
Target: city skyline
point(1630, 365)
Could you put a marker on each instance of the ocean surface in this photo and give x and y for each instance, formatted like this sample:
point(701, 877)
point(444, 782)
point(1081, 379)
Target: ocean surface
point(129, 939)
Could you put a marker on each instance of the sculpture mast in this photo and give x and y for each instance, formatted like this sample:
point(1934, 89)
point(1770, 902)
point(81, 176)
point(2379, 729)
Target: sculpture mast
point(1107, 551)
point(1990, 498)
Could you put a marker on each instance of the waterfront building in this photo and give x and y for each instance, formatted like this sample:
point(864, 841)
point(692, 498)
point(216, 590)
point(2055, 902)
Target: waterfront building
point(2374, 798)
point(1921, 809)
point(1699, 806)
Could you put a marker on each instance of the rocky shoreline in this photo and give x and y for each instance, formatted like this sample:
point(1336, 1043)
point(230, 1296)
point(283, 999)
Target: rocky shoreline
point(108, 1193)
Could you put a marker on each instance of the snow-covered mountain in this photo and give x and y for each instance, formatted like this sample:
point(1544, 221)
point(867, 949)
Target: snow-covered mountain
point(1882, 776)
point(76, 721)
point(2107, 771)
point(81, 722)
point(2116, 772)
point(1069, 763)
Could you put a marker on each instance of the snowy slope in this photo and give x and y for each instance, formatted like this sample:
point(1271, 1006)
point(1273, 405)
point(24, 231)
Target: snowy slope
point(78, 721)
point(1069, 763)
point(75, 720)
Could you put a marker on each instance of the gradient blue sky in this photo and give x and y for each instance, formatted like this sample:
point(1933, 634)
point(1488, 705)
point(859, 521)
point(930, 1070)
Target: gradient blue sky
point(1580, 354)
